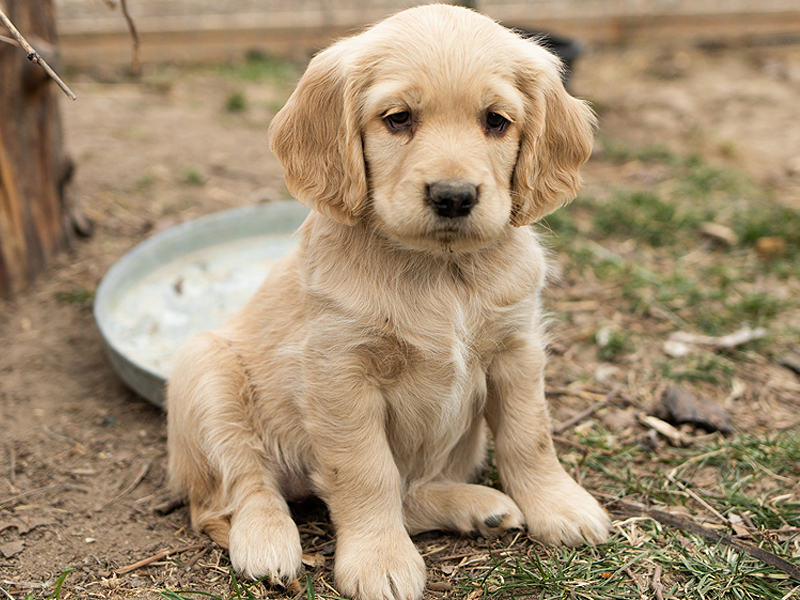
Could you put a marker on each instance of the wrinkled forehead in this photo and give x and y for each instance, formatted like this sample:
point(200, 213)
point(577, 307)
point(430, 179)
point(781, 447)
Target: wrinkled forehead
point(419, 94)
point(456, 61)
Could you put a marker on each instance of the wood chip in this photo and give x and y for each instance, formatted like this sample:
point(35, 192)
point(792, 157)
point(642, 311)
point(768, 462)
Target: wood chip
point(682, 343)
point(719, 233)
point(676, 437)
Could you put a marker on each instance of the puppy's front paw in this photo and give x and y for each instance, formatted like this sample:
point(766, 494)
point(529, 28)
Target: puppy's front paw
point(564, 513)
point(463, 507)
point(265, 543)
point(387, 569)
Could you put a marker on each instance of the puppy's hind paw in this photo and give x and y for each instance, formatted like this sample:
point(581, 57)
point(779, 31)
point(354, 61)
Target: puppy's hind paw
point(265, 545)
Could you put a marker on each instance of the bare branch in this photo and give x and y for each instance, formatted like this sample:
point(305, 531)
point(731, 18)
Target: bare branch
point(33, 55)
point(134, 35)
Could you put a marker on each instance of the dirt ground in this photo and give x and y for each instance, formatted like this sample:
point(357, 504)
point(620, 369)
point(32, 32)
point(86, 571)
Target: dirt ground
point(82, 458)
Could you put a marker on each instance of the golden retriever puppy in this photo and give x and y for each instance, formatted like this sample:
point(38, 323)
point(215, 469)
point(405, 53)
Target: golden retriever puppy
point(368, 365)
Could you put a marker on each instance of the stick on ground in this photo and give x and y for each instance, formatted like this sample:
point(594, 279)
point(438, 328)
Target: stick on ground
point(156, 557)
point(686, 524)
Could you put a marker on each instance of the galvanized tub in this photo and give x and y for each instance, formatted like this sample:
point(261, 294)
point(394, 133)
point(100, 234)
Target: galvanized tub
point(190, 278)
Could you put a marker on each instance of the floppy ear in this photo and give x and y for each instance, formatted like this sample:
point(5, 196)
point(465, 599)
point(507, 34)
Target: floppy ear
point(317, 138)
point(556, 139)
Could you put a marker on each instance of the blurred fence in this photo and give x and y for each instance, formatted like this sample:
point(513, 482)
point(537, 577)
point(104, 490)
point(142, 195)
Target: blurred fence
point(213, 30)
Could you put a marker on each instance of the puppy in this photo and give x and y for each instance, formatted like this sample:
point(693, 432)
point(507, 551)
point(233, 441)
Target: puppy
point(369, 364)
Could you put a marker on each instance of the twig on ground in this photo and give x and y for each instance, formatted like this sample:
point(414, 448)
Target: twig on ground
point(47, 488)
point(582, 447)
point(569, 423)
point(170, 505)
point(630, 574)
point(686, 524)
point(12, 473)
point(655, 584)
point(8, 40)
point(136, 481)
point(33, 55)
point(702, 502)
point(190, 563)
point(156, 557)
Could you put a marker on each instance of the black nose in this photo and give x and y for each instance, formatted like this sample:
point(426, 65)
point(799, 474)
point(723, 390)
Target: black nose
point(452, 198)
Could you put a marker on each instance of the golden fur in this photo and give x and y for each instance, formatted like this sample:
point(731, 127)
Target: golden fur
point(367, 366)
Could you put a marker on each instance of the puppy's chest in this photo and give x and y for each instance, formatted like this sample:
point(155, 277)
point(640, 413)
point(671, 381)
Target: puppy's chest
point(434, 380)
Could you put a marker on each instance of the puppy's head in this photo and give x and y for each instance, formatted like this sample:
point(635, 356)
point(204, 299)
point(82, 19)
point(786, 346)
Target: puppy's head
point(439, 126)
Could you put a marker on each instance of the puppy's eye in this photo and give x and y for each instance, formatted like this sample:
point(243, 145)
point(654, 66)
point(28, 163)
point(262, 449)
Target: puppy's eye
point(496, 123)
point(398, 121)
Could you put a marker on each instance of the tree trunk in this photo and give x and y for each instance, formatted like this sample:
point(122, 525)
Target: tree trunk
point(34, 169)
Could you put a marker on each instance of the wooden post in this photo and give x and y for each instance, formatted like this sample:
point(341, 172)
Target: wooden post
point(34, 169)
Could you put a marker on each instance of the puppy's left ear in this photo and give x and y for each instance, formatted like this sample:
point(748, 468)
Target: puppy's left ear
point(317, 138)
point(556, 139)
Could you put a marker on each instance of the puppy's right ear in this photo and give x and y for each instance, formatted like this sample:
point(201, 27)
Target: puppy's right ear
point(317, 138)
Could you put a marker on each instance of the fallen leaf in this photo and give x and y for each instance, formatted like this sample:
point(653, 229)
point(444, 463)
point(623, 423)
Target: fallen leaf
point(10, 549)
point(791, 362)
point(678, 406)
point(770, 247)
point(440, 586)
point(313, 560)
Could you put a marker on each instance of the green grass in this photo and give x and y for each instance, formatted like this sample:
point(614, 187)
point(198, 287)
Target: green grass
point(644, 216)
point(752, 472)
point(659, 226)
point(238, 591)
point(612, 344)
point(258, 66)
point(236, 102)
point(81, 297)
point(191, 176)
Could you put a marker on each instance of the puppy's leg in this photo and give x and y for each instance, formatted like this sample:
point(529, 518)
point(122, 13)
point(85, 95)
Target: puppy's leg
point(357, 476)
point(217, 457)
point(556, 509)
point(451, 504)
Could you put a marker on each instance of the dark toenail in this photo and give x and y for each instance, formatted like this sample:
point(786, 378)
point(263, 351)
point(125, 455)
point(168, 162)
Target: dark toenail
point(493, 521)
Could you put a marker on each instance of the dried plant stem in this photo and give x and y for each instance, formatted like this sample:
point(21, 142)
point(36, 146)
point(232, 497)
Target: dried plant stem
point(33, 55)
point(569, 423)
point(156, 557)
point(134, 34)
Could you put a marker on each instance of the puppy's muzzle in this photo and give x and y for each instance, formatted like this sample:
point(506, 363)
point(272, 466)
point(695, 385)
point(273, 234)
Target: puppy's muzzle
point(452, 199)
